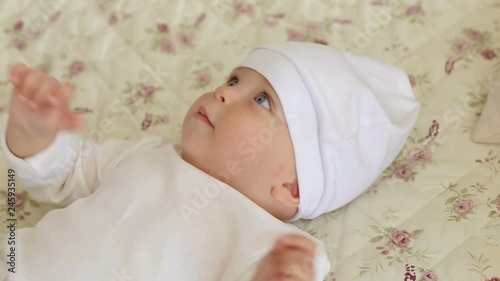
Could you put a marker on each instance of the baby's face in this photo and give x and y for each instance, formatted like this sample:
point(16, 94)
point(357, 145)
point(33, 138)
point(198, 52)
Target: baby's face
point(244, 139)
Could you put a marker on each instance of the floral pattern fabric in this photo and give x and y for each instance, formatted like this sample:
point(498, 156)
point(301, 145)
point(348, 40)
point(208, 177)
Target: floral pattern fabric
point(434, 214)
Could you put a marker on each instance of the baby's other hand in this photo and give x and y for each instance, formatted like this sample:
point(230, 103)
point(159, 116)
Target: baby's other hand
point(292, 258)
point(40, 103)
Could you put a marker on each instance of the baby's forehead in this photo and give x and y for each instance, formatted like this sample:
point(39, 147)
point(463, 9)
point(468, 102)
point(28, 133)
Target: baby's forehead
point(257, 78)
point(266, 85)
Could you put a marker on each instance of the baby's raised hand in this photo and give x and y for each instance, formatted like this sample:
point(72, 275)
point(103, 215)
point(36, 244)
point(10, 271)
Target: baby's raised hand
point(292, 258)
point(40, 104)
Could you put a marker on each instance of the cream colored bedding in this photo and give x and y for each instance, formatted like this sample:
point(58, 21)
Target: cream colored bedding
point(138, 65)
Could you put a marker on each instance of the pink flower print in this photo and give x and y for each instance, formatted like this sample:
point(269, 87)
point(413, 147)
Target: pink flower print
point(33, 34)
point(203, 79)
point(272, 19)
point(112, 19)
point(269, 22)
point(167, 46)
point(161, 119)
point(200, 19)
point(462, 47)
point(433, 130)
point(413, 80)
point(162, 28)
point(448, 67)
point(403, 171)
point(184, 38)
point(498, 206)
point(494, 279)
point(296, 35)
point(45, 67)
point(341, 21)
point(400, 239)
point(418, 155)
point(55, 16)
point(463, 207)
point(475, 35)
point(488, 54)
point(20, 44)
point(415, 9)
point(429, 275)
point(146, 123)
point(243, 8)
point(22, 216)
point(312, 28)
point(378, 3)
point(384, 251)
point(76, 67)
point(321, 41)
point(129, 101)
point(20, 199)
point(18, 26)
point(145, 91)
point(82, 110)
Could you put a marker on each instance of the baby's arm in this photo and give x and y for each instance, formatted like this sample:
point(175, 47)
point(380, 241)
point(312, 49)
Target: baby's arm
point(292, 258)
point(38, 111)
point(54, 165)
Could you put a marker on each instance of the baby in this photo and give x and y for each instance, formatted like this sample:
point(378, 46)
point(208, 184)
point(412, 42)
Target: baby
point(298, 130)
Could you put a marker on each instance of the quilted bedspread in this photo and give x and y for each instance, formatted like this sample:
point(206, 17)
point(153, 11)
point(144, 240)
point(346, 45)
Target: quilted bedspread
point(137, 66)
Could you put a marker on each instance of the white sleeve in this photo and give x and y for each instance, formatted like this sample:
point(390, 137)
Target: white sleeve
point(321, 267)
point(71, 167)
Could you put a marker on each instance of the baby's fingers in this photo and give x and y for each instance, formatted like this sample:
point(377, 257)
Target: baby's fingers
point(45, 94)
point(72, 121)
point(296, 242)
point(63, 94)
point(293, 265)
point(26, 100)
point(17, 73)
point(31, 82)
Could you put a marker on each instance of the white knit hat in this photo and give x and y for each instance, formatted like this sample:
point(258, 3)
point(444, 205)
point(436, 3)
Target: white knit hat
point(348, 117)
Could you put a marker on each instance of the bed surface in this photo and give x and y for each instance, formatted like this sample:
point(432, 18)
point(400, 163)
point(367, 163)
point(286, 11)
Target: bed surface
point(138, 65)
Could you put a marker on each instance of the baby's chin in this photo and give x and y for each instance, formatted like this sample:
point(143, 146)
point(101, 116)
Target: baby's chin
point(197, 162)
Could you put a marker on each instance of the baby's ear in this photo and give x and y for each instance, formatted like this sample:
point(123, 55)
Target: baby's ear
point(287, 193)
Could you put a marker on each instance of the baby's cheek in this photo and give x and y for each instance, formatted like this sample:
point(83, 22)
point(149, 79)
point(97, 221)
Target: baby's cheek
point(278, 171)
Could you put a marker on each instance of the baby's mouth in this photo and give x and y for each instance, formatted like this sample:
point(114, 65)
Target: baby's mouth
point(203, 116)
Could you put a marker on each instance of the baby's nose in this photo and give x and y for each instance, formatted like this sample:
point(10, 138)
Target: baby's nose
point(224, 94)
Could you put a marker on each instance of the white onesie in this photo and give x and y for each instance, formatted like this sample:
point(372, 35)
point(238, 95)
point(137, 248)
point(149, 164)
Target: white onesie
point(136, 211)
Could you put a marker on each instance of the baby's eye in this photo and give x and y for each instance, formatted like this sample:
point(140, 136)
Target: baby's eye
point(232, 82)
point(263, 98)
